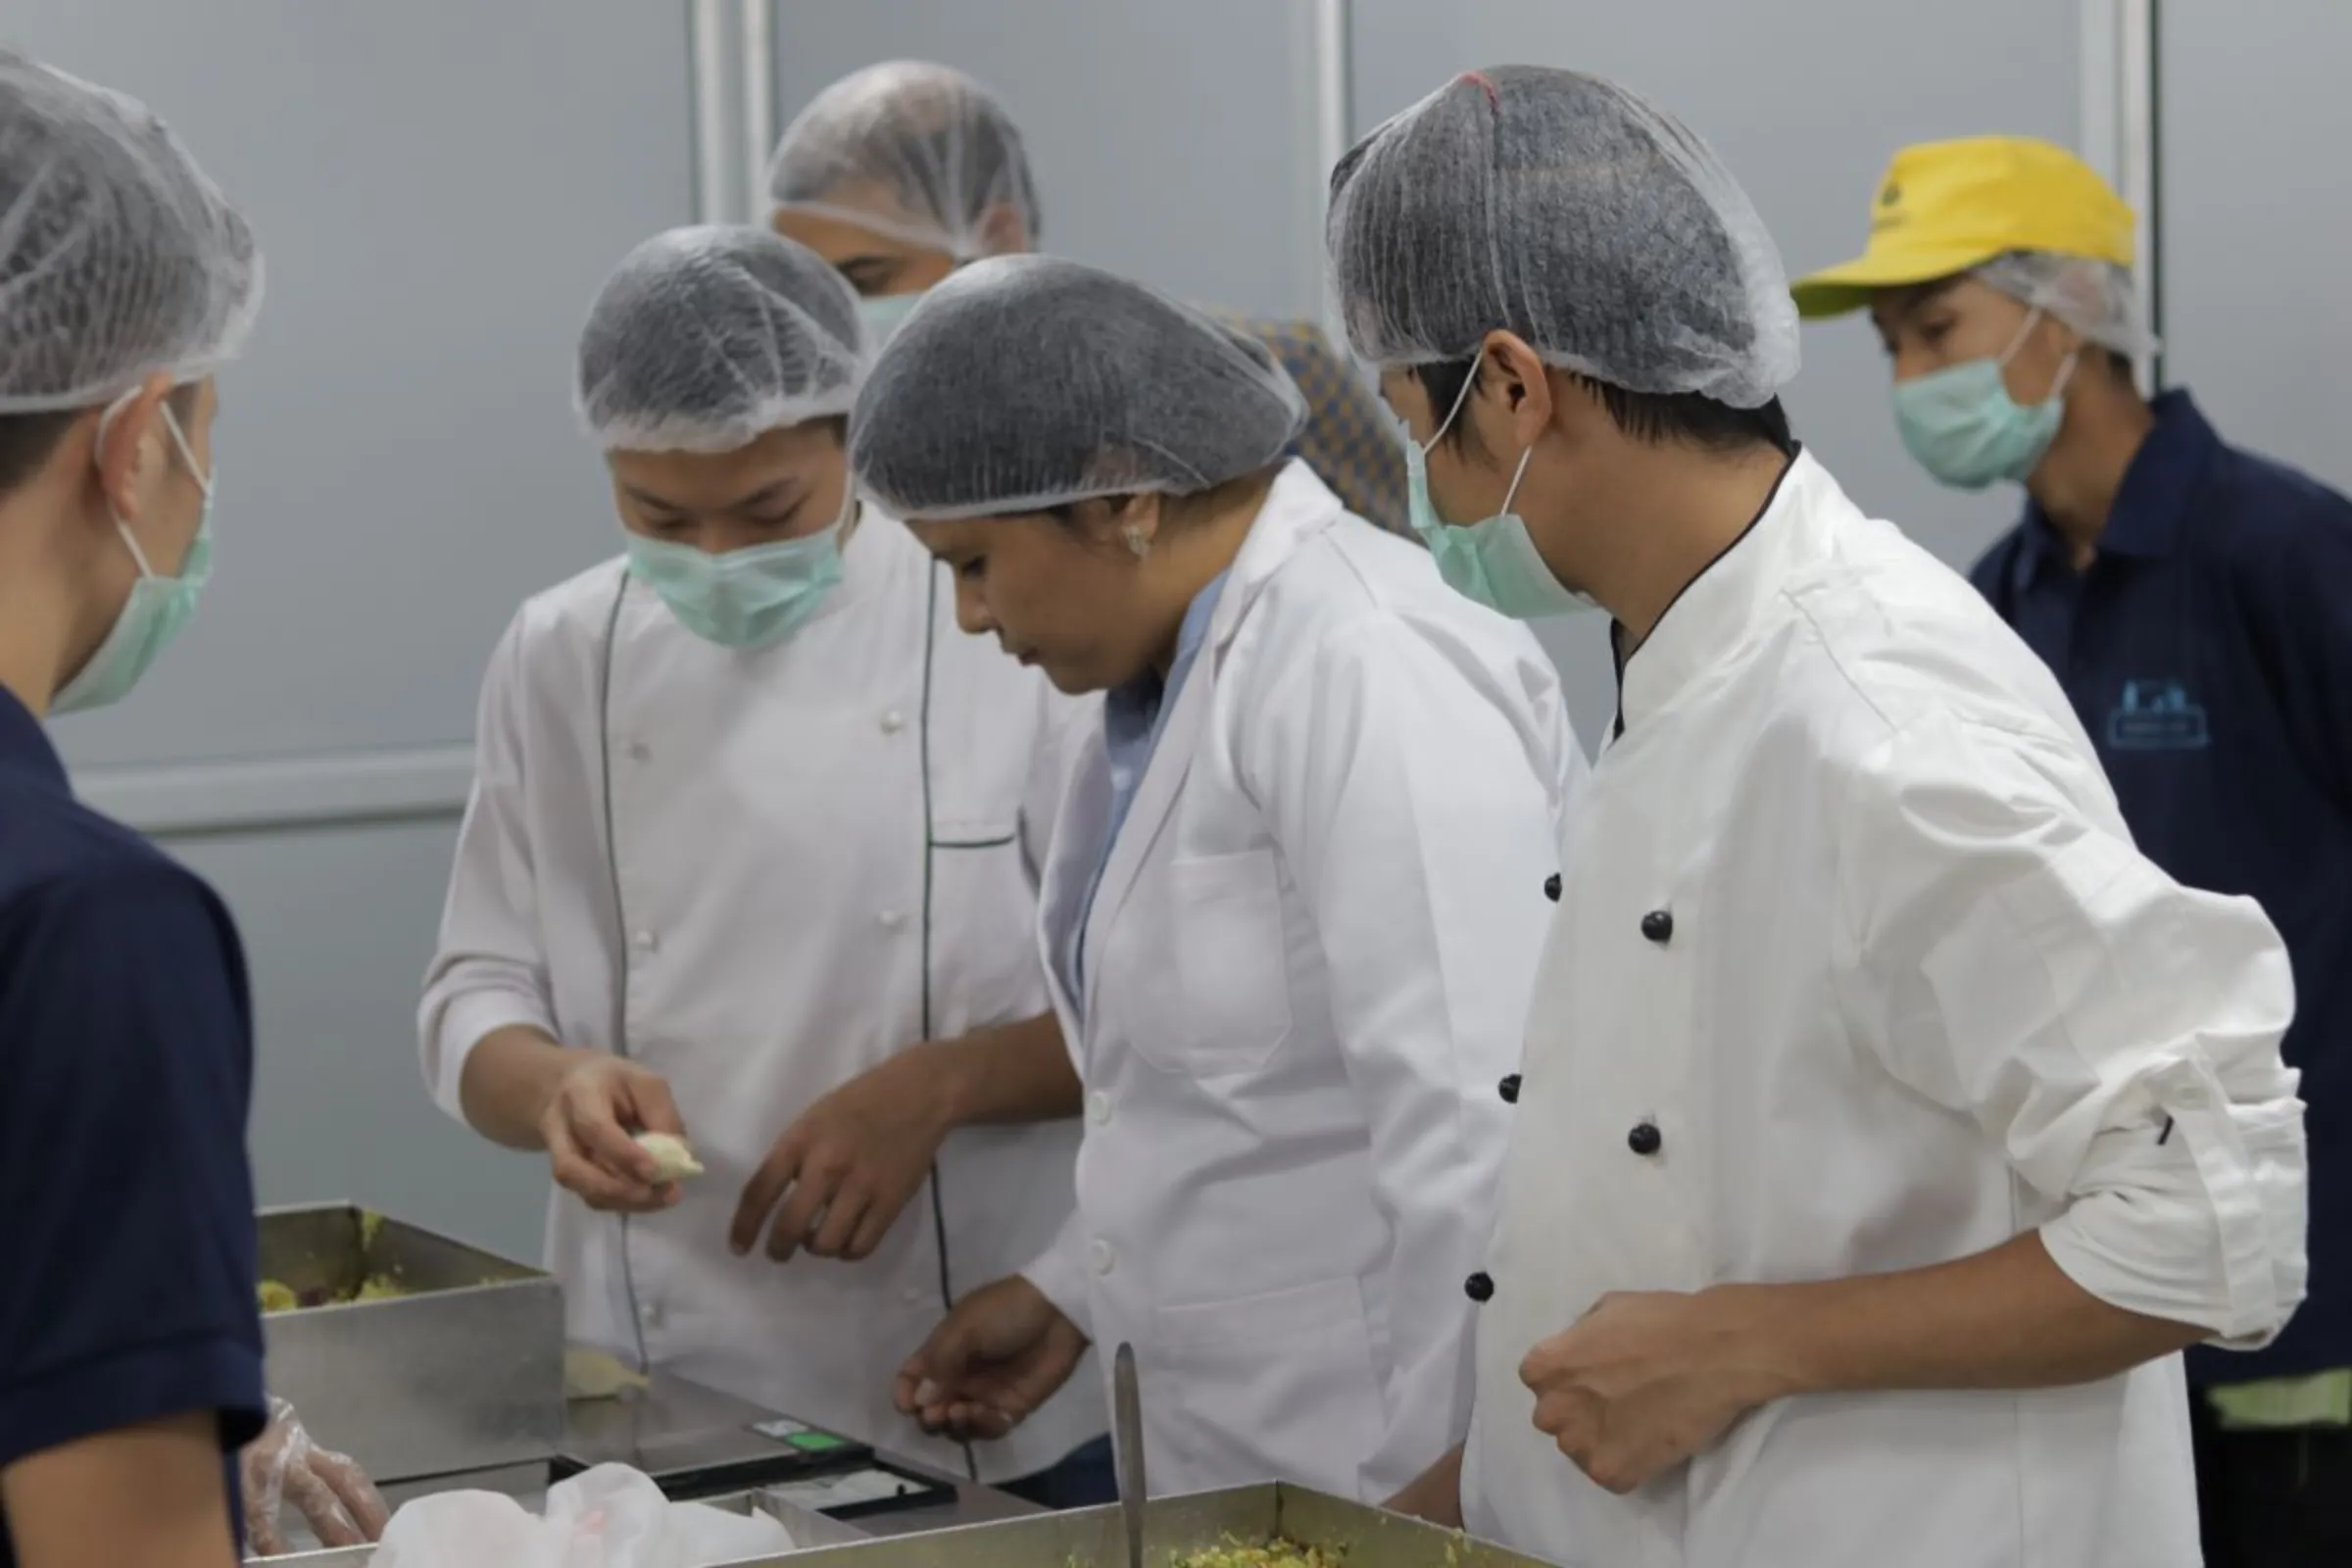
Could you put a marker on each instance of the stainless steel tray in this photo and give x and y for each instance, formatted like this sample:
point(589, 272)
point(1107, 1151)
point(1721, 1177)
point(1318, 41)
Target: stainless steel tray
point(1091, 1537)
point(1174, 1527)
point(463, 1371)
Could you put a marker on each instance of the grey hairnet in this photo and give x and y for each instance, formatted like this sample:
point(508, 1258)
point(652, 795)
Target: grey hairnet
point(117, 257)
point(2093, 297)
point(706, 338)
point(1563, 208)
point(916, 151)
point(1026, 382)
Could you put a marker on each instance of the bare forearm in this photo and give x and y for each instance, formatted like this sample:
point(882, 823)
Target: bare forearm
point(145, 1497)
point(2007, 1318)
point(508, 1081)
point(1015, 1072)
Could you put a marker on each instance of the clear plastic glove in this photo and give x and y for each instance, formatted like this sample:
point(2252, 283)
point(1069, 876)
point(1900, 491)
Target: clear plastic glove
point(334, 1496)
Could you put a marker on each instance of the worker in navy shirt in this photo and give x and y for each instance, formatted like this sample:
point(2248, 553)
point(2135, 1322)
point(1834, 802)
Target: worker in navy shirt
point(2195, 601)
point(130, 1346)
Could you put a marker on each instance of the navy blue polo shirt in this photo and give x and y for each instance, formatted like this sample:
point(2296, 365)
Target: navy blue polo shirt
point(2208, 651)
point(127, 1229)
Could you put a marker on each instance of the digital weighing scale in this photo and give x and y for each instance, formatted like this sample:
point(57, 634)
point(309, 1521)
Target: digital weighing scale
point(698, 1443)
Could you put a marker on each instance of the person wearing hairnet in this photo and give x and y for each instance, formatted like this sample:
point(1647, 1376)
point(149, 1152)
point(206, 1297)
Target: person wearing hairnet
point(2195, 601)
point(1888, 1123)
point(905, 171)
point(131, 1339)
point(750, 859)
point(1296, 896)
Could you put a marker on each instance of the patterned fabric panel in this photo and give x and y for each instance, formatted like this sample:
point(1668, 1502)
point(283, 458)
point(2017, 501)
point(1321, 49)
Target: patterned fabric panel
point(1350, 438)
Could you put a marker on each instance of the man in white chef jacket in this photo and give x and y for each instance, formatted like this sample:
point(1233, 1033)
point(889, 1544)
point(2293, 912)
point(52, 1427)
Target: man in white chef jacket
point(750, 857)
point(1888, 1122)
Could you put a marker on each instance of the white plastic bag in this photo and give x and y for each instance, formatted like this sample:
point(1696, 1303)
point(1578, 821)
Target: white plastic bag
point(466, 1529)
point(708, 1535)
point(608, 1517)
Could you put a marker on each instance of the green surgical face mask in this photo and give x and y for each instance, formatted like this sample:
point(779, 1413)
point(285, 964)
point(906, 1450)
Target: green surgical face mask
point(883, 315)
point(1964, 428)
point(1492, 562)
point(751, 598)
point(153, 614)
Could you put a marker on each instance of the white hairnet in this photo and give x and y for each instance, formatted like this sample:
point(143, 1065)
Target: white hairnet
point(1026, 382)
point(118, 258)
point(1564, 208)
point(706, 338)
point(916, 151)
point(2096, 298)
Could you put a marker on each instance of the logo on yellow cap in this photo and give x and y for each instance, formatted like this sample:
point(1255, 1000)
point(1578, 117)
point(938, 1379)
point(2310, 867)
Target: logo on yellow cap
point(1890, 213)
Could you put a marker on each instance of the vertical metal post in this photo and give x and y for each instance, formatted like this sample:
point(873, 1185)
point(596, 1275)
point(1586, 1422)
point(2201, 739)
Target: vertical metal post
point(1333, 132)
point(759, 103)
point(2122, 139)
point(715, 185)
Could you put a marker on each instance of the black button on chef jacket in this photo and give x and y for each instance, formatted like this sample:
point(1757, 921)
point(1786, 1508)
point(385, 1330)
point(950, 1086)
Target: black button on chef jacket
point(2208, 651)
point(127, 1228)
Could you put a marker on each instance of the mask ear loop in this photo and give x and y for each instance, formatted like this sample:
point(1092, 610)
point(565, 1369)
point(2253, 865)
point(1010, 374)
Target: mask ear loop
point(1461, 400)
point(2066, 367)
point(1517, 474)
point(106, 426)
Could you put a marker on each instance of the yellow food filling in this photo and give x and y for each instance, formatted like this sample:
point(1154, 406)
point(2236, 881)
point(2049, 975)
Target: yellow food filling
point(1260, 1554)
point(275, 1295)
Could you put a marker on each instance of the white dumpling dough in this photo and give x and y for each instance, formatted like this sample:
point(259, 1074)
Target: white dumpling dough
point(592, 1374)
point(673, 1160)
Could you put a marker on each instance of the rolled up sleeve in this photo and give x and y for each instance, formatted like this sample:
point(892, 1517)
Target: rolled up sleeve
point(490, 971)
point(2117, 1034)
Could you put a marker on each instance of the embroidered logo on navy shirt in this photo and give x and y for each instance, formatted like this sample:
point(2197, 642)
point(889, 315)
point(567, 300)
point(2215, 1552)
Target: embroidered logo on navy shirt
point(2156, 716)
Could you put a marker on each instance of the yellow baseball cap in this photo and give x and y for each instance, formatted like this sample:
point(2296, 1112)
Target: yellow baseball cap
point(1948, 206)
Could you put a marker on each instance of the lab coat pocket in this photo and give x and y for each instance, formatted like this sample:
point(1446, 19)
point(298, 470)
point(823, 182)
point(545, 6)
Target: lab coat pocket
point(1230, 965)
point(1274, 1387)
point(981, 937)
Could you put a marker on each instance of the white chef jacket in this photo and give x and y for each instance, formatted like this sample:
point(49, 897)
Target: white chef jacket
point(1308, 962)
point(800, 903)
point(1854, 930)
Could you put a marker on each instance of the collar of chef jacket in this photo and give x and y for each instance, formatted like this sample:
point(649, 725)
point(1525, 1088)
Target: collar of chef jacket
point(1717, 610)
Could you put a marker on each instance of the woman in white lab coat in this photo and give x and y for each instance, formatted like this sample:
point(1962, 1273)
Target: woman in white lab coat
point(1296, 898)
point(750, 857)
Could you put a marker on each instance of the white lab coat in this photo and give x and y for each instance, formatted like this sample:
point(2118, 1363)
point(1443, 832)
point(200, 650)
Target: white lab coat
point(789, 923)
point(1306, 970)
point(1919, 994)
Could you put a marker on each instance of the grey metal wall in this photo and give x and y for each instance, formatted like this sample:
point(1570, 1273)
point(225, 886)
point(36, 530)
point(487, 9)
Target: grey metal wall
point(1805, 99)
point(439, 187)
point(2256, 245)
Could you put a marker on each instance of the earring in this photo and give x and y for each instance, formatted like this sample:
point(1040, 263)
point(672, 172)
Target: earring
point(1135, 540)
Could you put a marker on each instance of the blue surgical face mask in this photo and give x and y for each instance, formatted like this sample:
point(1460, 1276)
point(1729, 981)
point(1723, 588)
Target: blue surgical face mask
point(882, 316)
point(156, 610)
point(1494, 562)
point(749, 597)
point(1964, 428)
